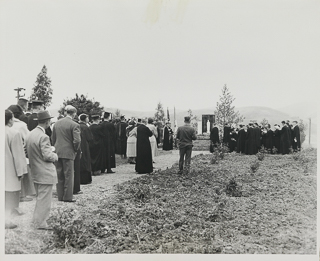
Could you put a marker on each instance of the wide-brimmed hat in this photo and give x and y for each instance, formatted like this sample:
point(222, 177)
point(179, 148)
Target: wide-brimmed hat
point(15, 108)
point(43, 115)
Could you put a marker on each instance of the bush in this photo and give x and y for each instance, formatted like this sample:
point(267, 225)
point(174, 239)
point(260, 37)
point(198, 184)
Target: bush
point(254, 166)
point(233, 189)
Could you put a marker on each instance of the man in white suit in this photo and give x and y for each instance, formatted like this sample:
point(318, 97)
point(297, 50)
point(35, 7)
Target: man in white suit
point(44, 174)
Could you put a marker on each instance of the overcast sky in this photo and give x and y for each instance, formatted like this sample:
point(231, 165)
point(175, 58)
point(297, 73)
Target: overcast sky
point(133, 54)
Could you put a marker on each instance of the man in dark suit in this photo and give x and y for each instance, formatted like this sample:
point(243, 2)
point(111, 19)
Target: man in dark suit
point(37, 105)
point(296, 137)
point(23, 103)
point(66, 139)
point(44, 174)
point(214, 137)
point(109, 142)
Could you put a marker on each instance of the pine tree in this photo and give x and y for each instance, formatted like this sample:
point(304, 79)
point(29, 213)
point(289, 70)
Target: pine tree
point(264, 123)
point(117, 113)
point(193, 119)
point(159, 115)
point(83, 105)
point(225, 112)
point(42, 88)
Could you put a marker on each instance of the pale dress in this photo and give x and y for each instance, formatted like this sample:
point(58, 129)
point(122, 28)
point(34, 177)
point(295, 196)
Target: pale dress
point(132, 143)
point(153, 140)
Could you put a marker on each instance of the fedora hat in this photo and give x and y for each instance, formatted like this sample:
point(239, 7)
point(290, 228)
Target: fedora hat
point(43, 115)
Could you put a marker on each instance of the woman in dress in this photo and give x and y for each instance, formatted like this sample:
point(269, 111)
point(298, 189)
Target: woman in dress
point(167, 137)
point(153, 138)
point(131, 142)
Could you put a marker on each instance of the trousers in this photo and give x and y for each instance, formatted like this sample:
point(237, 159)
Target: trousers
point(185, 155)
point(43, 204)
point(65, 173)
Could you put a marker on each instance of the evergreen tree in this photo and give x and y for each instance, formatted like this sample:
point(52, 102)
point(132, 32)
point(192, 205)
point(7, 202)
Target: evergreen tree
point(303, 128)
point(159, 115)
point(83, 105)
point(264, 123)
point(225, 112)
point(42, 88)
point(193, 119)
point(117, 113)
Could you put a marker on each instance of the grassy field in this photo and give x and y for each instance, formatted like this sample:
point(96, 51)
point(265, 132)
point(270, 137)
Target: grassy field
point(215, 208)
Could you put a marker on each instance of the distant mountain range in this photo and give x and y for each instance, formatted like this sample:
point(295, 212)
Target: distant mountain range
point(298, 111)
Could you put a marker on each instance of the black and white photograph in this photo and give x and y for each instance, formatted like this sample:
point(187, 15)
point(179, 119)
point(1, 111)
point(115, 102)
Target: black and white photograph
point(160, 129)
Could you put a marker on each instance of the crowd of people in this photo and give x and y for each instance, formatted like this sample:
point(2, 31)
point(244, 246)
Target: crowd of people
point(41, 153)
point(249, 139)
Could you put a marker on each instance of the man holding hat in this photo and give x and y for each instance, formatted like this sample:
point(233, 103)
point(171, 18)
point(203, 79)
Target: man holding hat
point(66, 139)
point(44, 174)
point(185, 135)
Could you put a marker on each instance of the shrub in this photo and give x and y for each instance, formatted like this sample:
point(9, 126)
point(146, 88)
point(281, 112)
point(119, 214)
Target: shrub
point(233, 189)
point(254, 166)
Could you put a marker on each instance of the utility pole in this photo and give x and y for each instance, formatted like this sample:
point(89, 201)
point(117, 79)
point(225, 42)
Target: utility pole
point(309, 130)
point(18, 90)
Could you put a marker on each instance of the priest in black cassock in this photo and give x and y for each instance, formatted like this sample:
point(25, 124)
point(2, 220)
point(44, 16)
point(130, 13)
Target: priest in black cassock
point(285, 138)
point(144, 153)
point(296, 137)
point(269, 139)
point(23, 103)
point(85, 160)
point(37, 106)
point(109, 142)
point(97, 151)
point(167, 137)
point(257, 135)
point(241, 139)
point(276, 138)
point(214, 137)
point(121, 136)
point(233, 139)
point(250, 144)
point(226, 134)
point(76, 176)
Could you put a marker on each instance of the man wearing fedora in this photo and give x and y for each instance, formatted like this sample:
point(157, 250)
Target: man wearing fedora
point(66, 139)
point(44, 174)
point(37, 105)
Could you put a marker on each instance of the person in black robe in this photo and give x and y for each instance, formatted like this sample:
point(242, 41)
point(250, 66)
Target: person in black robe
point(269, 139)
point(250, 144)
point(23, 103)
point(226, 134)
point(241, 139)
point(214, 137)
point(97, 151)
point(167, 137)
point(121, 137)
point(257, 135)
point(276, 138)
point(144, 153)
point(157, 124)
point(37, 106)
point(296, 137)
point(233, 140)
point(285, 138)
point(76, 166)
point(85, 160)
point(109, 142)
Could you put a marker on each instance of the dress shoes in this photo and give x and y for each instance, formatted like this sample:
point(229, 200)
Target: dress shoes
point(77, 193)
point(110, 171)
point(70, 201)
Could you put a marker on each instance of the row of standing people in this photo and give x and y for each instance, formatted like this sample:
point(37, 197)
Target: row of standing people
point(249, 139)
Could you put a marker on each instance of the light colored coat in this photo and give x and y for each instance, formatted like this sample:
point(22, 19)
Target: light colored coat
point(41, 157)
point(66, 138)
point(15, 160)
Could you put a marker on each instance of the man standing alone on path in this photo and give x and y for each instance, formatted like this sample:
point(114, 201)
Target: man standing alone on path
point(66, 139)
point(44, 174)
point(185, 135)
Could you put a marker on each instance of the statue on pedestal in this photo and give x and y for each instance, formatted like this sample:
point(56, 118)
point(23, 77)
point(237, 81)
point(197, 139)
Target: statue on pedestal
point(208, 126)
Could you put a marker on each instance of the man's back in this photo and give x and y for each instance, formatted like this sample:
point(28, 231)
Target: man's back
point(186, 134)
point(66, 138)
